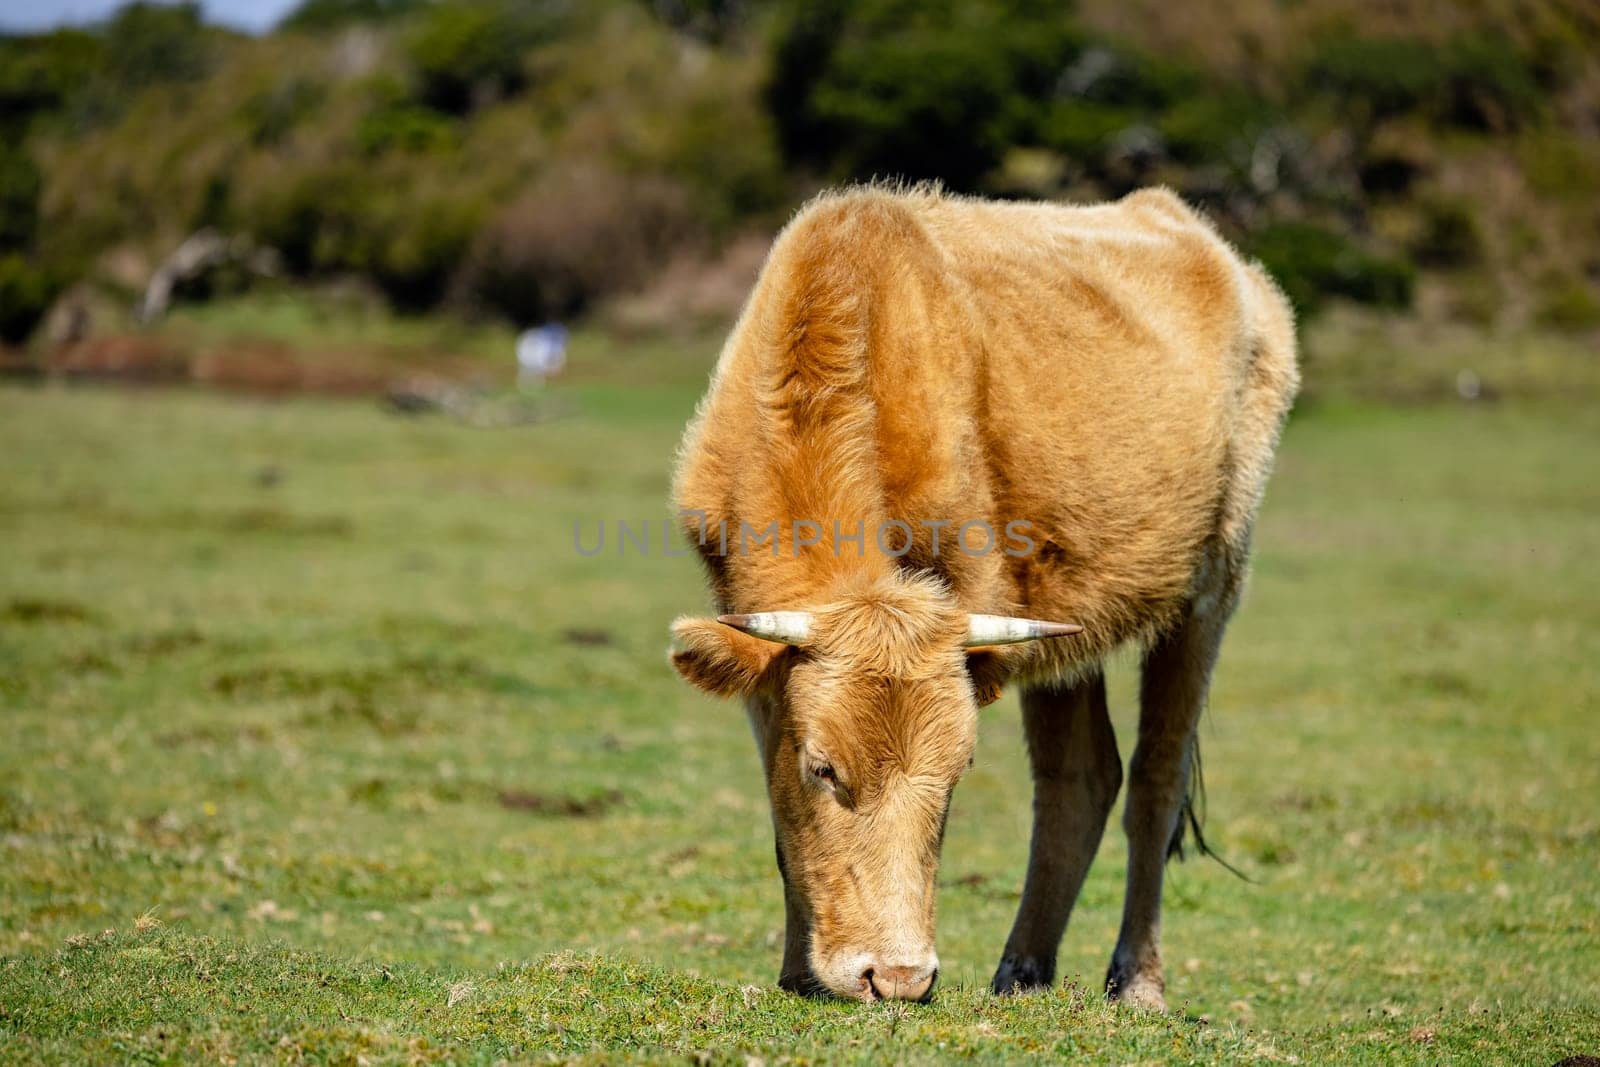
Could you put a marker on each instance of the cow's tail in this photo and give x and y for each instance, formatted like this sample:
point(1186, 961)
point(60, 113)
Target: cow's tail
point(1192, 817)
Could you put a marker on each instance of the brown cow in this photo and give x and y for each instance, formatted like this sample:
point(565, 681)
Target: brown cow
point(913, 374)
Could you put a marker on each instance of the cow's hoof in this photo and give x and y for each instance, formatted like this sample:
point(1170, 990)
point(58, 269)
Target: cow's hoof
point(1146, 992)
point(803, 984)
point(1022, 974)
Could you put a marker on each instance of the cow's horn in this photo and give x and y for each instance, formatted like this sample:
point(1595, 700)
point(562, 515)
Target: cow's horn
point(1005, 630)
point(790, 627)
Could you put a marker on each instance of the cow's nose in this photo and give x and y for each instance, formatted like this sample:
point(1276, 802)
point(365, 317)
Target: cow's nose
point(900, 983)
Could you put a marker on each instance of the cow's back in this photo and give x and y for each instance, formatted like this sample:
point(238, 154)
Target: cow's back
point(1135, 371)
point(1113, 377)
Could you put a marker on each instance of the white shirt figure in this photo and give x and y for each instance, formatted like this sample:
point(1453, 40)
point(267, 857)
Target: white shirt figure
point(541, 352)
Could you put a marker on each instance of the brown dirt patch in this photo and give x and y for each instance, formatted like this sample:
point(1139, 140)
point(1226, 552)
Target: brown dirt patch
point(264, 368)
point(558, 804)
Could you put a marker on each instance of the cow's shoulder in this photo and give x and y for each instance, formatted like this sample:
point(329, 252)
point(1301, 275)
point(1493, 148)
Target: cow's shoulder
point(853, 229)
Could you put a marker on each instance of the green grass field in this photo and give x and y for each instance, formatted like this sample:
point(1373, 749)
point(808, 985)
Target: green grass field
point(322, 743)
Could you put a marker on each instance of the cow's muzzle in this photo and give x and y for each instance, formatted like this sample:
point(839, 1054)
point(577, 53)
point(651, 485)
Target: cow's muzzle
point(899, 983)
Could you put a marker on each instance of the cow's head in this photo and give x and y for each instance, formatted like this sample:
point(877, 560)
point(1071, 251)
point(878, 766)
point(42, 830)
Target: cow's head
point(866, 713)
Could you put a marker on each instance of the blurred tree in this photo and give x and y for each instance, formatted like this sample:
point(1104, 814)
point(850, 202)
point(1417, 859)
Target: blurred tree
point(913, 89)
point(319, 15)
point(1472, 80)
point(580, 234)
point(381, 220)
point(708, 20)
point(40, 74)
point(272, 111)
point(1492, 86)
point(468, 52)
point(1384, 75)
point(20, 183)
point(147, 43)
point(402, 127)
point(1312, 263)
point(26, 292)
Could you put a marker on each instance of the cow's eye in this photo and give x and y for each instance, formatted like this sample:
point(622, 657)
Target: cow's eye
point(817, 769)
point(822, 773)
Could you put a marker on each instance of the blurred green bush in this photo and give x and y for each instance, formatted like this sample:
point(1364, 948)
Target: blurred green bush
point(321, 15)
point(469, 53)
point(41, 75)
point(20, 184)
point(148, 43)
point(1571, 305)
point(26, 292)
point(1473, 80)
point(580, 234)
point(405, 128)
point(918, 90)
point(271, 113)
point(1450, 236)
point(1312, 263)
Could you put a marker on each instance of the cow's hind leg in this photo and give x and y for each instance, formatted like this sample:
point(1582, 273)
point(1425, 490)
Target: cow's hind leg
point(1076, 775)
point(1175, 677)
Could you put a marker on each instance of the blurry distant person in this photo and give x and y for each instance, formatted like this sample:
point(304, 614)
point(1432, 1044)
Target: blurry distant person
point(541, 353)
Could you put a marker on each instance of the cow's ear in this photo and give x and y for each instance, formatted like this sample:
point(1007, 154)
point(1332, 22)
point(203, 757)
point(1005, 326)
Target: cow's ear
point(989, 669)
point(719, 659)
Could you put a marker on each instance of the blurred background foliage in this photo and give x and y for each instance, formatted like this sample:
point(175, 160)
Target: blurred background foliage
point(529, 160)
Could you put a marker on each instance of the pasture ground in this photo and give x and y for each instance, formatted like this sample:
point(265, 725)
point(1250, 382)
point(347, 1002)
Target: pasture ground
point(321, 743)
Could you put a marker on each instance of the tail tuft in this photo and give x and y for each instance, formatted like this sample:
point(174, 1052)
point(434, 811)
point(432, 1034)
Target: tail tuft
point(1192, 816)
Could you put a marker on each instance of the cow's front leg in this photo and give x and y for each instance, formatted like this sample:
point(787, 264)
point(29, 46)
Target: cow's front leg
point(795, 974)
point(1176, 674)
point(1076, 775)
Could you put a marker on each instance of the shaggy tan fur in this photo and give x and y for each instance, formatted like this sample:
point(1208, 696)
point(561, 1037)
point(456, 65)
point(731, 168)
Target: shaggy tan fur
point(1114, 377)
